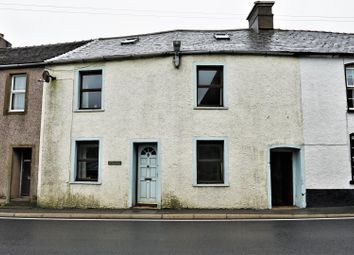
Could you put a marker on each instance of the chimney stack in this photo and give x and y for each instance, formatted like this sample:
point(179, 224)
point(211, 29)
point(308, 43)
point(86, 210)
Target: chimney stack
point(261, 16)
point(3, 42)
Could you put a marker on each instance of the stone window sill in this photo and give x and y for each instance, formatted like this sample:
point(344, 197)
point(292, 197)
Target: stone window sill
point(210, 108)
point(211, 185)
point(90, 110)
point(86, 183)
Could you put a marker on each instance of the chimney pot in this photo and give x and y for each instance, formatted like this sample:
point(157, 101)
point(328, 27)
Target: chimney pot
point(261, 16)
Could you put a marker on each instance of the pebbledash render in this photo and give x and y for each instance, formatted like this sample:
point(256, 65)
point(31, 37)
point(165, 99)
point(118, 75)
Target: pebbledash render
point(21, 71)
point(149, 101)
point(249, 118)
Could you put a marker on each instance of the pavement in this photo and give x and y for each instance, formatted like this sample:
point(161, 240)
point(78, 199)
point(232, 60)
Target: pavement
point(276, 213)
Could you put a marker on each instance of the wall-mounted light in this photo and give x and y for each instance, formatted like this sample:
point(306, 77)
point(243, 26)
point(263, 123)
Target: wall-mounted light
point(177, 56)
point(47, 77)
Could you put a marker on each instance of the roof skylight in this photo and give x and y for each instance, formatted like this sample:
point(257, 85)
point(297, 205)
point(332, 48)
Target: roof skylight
point(222, 36)
point(131, 40)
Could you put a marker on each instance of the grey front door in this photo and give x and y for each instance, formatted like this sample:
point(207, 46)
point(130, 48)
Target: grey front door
point(147, 174)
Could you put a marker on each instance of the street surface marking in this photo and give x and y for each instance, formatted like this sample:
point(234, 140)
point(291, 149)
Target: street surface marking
point(175, 220)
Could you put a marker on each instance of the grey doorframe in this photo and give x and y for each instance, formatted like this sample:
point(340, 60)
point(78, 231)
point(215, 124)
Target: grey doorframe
point(134, 143)
point(298, 174)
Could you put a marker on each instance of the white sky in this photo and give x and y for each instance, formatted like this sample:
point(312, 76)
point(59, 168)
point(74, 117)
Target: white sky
point(32, 22)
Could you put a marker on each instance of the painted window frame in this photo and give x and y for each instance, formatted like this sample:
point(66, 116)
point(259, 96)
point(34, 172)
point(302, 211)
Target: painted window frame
point(74, 160)
point(196, 65)
point(77, 89)
point(225, 158)
point(348, 87)
point(351, 151)
point(12, 92)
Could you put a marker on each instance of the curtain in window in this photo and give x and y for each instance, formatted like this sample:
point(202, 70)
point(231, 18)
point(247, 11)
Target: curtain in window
point(18, 101)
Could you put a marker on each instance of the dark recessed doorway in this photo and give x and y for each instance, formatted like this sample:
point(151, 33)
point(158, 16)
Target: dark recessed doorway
point(282, 178)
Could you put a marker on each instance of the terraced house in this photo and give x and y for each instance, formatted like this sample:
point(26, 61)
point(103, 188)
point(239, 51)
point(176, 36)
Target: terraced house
point(20, 119)
point(248, 118)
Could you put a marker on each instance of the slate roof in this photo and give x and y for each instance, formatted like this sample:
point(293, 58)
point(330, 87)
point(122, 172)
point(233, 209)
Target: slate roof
point(35, 54)
point(242, 41)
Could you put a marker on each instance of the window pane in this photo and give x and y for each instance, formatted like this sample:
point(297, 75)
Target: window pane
point(91, 81)
point(87, 161)
point(18, 101)
point(209, 77)
point(91, 100)
point(350, 77)
point(210, 150)
point(19, 82)
point(210, 96)
point(350, 98)
point(210, 172)
point(88, 150)
point(87, 171)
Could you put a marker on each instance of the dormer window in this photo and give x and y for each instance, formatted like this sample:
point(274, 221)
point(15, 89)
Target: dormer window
point(222, 36)
point(129, 41)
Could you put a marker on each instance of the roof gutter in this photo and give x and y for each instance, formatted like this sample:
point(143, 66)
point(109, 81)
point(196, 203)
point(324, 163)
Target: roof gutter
point(186, 53)
point(162, 54)
point(172, 53)
point(22, 65)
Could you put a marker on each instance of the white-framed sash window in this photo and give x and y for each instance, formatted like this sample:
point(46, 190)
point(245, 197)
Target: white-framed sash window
point(18, 93)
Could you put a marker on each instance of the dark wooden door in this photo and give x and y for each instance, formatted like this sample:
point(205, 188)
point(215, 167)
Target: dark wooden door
point(26, 172)
point(282, 178)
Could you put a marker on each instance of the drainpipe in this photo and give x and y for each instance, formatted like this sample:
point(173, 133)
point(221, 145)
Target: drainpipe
point(177, 56)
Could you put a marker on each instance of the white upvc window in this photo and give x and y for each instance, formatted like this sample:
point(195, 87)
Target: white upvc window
point(18, 93)
point(349, 73)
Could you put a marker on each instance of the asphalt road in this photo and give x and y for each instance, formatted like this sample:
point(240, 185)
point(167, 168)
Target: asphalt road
point(102, 237)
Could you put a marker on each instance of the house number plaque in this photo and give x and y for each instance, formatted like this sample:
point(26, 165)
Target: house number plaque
point(114, 163)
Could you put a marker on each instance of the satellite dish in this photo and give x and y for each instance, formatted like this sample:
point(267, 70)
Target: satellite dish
point(47, 77)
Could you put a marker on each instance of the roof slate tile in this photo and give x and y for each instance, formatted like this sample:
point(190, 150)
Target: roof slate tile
point(35, 54)
point(193, 41)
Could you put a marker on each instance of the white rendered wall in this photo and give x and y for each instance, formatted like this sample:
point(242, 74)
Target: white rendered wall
point(150, 99)
point(326, 123)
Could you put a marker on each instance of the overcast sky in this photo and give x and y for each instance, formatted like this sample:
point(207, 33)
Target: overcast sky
point(32, 22)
